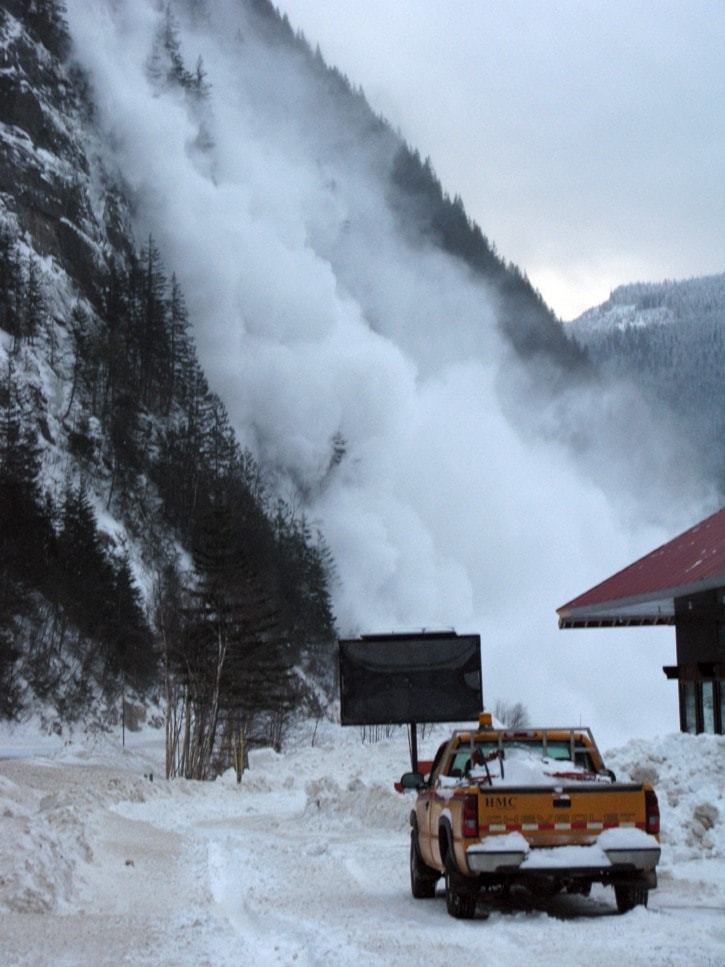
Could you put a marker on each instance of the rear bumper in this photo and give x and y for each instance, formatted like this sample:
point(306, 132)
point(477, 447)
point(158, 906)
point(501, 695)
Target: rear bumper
point(578, 861)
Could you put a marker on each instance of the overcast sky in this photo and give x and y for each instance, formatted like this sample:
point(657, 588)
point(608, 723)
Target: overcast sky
point(586, 138)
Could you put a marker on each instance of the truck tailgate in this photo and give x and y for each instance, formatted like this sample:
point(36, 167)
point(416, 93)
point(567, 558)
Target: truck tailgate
point(563, 815)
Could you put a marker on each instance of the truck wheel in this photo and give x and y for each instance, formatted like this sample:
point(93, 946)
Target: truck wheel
point(628, 897)
point(422, 878)
point(460, 897)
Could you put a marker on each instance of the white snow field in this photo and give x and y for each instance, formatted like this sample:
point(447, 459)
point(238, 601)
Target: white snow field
point(306, 862)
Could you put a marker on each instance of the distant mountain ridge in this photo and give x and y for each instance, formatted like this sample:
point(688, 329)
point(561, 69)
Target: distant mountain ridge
point(698, 300)
point(669, 338)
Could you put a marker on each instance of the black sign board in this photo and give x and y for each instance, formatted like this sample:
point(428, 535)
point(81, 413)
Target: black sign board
point(410, 678)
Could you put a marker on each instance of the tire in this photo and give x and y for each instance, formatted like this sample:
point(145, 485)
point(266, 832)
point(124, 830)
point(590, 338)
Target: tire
point(460, 895)
point(422, 878)
point(628, 896)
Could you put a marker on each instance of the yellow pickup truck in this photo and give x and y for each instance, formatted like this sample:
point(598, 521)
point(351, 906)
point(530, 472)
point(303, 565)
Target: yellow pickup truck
point(531, 807)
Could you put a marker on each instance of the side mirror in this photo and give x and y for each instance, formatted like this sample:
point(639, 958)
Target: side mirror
point(412, 780)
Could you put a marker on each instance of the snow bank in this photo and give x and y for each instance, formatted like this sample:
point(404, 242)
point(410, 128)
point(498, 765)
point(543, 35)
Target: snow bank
point(305, 861)
point(688, 773)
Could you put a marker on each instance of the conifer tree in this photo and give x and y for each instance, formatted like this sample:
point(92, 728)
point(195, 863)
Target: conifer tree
point(118, 349)
point(23, 526)
point(151, 323)
point(88, 353)
point(10, 283)
point(133, 651)
point(180, 353)
point(32, 305)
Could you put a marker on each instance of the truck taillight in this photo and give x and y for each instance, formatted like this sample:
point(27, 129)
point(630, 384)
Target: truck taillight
point(469, 818)
point(652, 811)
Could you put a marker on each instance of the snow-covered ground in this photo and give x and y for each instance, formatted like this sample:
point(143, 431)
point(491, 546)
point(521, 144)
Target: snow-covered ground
point(306, 862)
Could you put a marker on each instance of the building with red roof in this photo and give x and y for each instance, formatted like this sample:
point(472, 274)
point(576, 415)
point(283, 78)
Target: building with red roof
point(681, 583)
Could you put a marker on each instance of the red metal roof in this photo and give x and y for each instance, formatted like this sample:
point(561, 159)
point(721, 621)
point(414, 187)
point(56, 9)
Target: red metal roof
point(644, 592)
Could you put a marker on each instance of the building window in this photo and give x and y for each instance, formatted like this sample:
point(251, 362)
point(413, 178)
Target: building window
point(708, 707)
point(689, 706)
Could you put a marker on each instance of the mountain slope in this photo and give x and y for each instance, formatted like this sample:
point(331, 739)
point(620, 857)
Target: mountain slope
point(128, 508)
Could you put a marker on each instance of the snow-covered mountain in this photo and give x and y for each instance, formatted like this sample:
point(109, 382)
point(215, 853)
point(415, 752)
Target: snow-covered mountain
point(669, 338)
point(695, 302)
point(242, 321)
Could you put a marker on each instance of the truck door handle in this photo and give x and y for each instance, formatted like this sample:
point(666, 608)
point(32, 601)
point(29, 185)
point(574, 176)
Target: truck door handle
point(564, 802)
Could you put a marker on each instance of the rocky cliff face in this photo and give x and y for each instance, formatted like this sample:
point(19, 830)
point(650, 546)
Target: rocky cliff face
point(55, 246)
point(117, 463)
point(52, 182)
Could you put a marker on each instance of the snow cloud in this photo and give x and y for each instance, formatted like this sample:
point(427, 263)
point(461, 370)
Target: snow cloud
point(314, 318)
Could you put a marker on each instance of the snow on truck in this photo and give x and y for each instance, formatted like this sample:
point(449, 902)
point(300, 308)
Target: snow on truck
point(532, 807)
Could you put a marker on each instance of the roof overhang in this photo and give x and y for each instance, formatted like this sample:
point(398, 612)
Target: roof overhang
point(647, 591)
point(657, 608)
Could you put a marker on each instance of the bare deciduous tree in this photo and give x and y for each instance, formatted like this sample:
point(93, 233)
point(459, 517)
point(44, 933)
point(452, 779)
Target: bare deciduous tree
point(513, 715)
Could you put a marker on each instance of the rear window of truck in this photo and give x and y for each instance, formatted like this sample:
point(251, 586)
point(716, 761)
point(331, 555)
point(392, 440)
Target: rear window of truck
point(460, 763)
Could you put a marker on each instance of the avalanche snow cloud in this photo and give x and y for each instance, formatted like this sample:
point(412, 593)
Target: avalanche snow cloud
point(319, 323)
